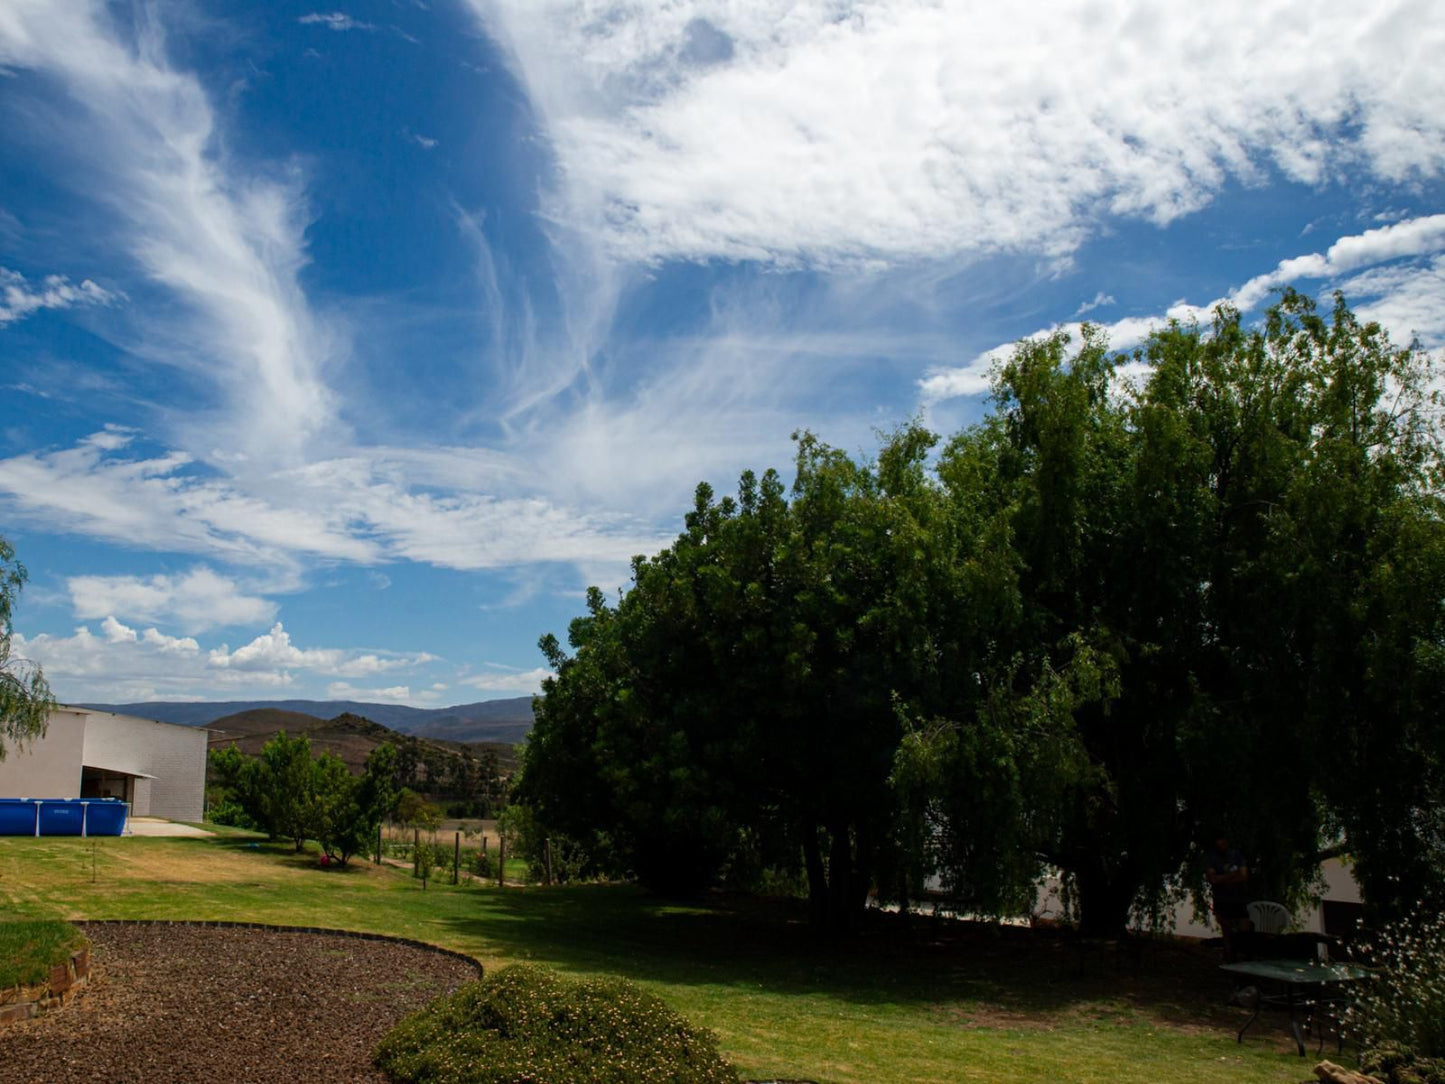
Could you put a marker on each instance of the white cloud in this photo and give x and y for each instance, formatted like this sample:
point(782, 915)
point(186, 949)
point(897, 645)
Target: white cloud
point(18, 299)
point(159, 503)
point(1100, 300)
point(121, 664)
point(847, 131)
point(197, 600)
point(361, 510)
point(274, 651)
point(229, 245)
point(506, 679)
point(334, 20)
point(117, 633)
point(1414, 237)
point(1407, 299)
point(342, 690)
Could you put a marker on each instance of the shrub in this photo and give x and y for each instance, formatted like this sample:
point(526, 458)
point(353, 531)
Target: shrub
point(484, 865)
point(229, 812)
point(1397, 1064)
point(1399, 1015)
point(527, 1025)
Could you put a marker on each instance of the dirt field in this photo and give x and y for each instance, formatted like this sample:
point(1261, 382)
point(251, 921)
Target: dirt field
point(185, 1004)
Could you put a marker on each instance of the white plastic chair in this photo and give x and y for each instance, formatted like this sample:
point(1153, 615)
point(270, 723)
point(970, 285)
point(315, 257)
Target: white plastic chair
point(1268, 917)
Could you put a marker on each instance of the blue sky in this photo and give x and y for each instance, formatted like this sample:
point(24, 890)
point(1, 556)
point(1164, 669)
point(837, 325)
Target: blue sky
point(342, 347)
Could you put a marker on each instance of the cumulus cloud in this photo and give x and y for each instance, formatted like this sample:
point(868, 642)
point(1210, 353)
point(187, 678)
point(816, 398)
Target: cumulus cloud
point(123, 664)
point(19, 299)
point(273, 651)
point(1406, 298)
point(877, 131)
point(196, 600)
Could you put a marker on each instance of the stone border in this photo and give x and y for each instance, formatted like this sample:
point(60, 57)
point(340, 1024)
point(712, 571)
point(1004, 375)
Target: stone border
point(221, 924)
point(65, 983)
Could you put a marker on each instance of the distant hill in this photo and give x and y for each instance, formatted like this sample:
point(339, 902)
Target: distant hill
point(350, 737)
point(504, 721)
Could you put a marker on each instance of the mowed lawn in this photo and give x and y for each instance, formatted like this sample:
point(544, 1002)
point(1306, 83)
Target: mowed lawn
point(932, 1001)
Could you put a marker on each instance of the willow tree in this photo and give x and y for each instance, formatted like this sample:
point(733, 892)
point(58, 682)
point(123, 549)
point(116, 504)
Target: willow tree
point(25, 697)
point(1229, 586)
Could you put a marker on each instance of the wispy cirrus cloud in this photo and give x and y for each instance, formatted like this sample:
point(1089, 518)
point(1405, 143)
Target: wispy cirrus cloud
point(334, 20)
point(19, 298)
point(225, 241)
point(362, 510)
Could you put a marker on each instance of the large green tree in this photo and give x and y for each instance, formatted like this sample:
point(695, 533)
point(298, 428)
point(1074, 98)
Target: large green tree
point(25, 697)
point(1229, 590)
point(1105, 625)
point(744, 695)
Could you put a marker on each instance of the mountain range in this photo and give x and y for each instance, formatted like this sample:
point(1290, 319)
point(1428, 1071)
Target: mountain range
point(507, 721)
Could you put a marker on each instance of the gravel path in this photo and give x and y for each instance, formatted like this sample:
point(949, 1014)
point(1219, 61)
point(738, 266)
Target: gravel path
point(191, 1004)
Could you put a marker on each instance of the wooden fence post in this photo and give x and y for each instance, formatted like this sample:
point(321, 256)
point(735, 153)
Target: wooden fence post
point(457, 859)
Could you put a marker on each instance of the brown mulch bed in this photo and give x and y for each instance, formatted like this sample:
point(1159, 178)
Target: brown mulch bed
point(192, 1004)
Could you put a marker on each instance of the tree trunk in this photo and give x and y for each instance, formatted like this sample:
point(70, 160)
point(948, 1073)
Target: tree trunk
point(817, 879)
point(840, 880)
point(1104, 901)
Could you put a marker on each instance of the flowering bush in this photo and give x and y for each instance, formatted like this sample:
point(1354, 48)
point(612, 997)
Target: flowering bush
point(527, 1025)
point(1399, 1015)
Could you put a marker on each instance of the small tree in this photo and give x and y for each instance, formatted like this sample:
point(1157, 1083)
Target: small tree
point(424, 861)
point(289, 787)
point(241, 780)
point(347, 808)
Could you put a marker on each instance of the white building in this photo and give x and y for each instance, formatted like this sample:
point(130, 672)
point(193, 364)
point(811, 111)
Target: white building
point(159, 768)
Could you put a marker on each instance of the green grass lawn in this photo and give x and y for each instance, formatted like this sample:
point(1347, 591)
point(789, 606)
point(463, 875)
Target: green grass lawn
point(932, 1001)
point(28, 950)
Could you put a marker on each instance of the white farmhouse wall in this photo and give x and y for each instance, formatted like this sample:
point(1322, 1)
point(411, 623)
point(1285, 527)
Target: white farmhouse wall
point(174, 756)
point(49, 767)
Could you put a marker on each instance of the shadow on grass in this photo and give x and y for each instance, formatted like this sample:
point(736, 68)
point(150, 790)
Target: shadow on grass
point(967, 970)
point(280, 852)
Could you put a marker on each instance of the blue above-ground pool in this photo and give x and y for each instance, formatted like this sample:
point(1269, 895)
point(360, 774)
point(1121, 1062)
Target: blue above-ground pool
point(62, 816)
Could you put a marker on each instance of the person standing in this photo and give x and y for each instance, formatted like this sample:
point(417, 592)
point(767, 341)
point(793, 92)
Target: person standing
point(1228, 878)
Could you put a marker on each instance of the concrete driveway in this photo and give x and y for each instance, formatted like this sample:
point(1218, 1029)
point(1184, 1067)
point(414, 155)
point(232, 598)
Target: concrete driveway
point(155, 826)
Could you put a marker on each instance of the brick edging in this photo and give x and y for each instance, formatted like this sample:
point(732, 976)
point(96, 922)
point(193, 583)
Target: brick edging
point(65, 982)
point(220, 924)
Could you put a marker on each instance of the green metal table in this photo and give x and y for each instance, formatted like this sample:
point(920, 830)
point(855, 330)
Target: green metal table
point(1304, 981)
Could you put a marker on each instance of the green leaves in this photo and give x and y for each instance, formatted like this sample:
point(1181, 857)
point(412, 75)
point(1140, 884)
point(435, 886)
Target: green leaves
point(25, 697)
point(1087, 635)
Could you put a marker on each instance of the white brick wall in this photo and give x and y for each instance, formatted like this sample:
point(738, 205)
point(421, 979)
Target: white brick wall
point(174, 755)
point(50, 767)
